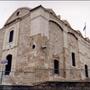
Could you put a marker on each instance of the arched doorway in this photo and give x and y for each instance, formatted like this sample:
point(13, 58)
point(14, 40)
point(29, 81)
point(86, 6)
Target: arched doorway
point(8, 66)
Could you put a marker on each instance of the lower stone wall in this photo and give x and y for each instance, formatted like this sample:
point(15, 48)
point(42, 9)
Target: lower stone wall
point(50, 86)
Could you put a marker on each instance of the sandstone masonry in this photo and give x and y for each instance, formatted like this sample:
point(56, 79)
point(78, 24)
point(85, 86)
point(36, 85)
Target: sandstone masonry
point(40, 47)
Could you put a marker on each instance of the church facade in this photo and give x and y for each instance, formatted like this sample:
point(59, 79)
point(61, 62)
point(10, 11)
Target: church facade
point(38, 47)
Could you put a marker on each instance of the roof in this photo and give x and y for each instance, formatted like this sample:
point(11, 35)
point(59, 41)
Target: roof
point(18, 14)
point(21, 12)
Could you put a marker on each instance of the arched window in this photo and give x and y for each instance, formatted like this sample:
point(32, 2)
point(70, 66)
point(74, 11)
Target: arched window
point(17, 13)
point(73, 59)
point(11, 36)
point(8, 66)
point(86, 70)
point(56, 66)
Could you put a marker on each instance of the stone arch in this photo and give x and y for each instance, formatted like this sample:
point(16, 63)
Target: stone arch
point(73, 35)
point(56, 24)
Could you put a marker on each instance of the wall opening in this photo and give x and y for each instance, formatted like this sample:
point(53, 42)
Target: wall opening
point(8, 66)
point(56, 66)
point(11, 36)
point(17, 13)
point(33, 46)
point(73, 59)
point(86, 70)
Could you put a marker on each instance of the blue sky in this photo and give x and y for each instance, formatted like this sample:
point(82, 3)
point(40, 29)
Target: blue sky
point(76, 12)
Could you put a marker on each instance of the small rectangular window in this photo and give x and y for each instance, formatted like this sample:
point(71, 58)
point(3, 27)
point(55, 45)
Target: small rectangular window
point(56, 66)
point(11, 36)
point(86, 70)
point(73, 59)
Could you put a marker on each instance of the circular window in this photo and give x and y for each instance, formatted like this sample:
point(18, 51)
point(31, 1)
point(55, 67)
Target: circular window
point(33, 46)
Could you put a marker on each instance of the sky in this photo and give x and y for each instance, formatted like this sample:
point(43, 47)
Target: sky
point(77, 13)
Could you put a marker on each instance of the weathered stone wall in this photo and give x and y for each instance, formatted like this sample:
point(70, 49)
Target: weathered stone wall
point(22, 59)
point(31, 60)
point(39, 39)
point(84, 54)
point(38, 57)
point(55, 49)
point(1, 45)
point(10, 47)
point(73, 48)
point(39, 22)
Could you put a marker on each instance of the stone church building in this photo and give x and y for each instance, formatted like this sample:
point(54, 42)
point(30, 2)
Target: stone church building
point(38, 46)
